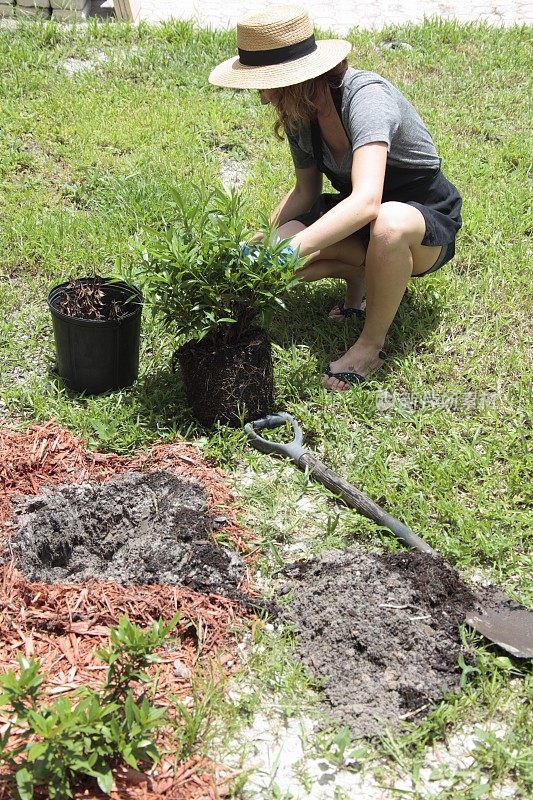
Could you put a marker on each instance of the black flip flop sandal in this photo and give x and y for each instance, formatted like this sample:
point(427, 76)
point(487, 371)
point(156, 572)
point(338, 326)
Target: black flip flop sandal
point(351, 377)
point(350, 312)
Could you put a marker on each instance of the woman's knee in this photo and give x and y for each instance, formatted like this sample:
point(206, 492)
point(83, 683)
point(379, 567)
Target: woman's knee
point(396, 224)
point(290, 229)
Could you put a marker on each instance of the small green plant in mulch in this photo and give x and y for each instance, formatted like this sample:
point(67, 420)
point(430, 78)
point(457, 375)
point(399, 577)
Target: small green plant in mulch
point(59, 744)
point(340, 750)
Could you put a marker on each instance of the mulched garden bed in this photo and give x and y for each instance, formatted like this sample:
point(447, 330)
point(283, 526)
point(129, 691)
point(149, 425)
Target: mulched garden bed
point(48, 455)
point(64, 624)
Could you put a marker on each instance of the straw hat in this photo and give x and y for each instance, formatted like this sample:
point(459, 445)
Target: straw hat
point(277, 48)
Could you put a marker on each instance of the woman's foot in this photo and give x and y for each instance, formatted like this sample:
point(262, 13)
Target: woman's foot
point(361, 361)
point(343, 311)
point(352, 303)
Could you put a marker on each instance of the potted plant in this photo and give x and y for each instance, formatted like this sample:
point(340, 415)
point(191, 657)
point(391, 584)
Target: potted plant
point(214, 291)
point(97, 325)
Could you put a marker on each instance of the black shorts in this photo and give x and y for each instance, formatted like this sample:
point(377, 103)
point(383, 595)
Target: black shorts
point(430, 192)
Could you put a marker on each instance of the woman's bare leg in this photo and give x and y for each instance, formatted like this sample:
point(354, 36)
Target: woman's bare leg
point(394, 254)
point(354, 277)
point(344, 260)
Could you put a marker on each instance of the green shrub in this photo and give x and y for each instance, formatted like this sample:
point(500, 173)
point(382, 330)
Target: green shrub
point(66, 740)
point(202, 278)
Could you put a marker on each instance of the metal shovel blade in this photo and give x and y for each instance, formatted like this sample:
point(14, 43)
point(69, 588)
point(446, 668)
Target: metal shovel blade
point(510, 628)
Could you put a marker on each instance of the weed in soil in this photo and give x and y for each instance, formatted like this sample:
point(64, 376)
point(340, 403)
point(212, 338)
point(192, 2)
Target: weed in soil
point(134, 529)
point(381, 631)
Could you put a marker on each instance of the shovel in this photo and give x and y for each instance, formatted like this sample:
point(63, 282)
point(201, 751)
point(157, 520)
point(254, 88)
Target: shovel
point(510, 628)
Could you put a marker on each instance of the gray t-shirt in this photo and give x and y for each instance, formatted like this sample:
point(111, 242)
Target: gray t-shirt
point(373, 110)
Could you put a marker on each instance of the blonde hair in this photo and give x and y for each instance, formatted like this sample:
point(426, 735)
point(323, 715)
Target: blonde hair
point(298, 104)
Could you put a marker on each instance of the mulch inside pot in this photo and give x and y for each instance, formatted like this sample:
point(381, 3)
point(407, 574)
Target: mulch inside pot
point(381, 631)
point(231, 383)
point(64, 624)
point(87, 298)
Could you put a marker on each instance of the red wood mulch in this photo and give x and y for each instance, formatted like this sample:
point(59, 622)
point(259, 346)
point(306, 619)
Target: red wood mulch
point(63, 625)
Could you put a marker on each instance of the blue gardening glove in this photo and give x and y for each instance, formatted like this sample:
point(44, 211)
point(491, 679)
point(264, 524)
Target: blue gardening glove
point(253, 254)
point(247, 252)
point(288, 251)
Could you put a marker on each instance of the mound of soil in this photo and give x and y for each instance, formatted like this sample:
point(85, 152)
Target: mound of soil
point(381, 631)
point(134, 529)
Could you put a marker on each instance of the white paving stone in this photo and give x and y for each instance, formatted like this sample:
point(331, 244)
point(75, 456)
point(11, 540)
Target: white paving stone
point(343, 15)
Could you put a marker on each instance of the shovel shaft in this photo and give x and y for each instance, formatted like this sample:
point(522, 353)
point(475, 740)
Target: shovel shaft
point(356, 499)
point(509, 628)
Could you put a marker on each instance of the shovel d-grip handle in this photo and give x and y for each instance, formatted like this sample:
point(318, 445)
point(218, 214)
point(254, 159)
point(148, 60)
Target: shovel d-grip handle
point(293, 450)
point(348, 493)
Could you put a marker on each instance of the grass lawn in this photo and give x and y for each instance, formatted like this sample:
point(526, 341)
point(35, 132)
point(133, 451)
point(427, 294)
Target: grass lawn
point(85, 159)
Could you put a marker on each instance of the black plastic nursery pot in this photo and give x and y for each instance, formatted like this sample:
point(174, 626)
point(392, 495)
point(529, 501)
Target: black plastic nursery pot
point(98, 355)
point(232, 383)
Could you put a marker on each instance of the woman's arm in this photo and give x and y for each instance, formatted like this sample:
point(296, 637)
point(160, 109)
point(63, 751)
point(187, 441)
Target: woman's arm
point(298, 201)
point(300, 198)
point(361, 207)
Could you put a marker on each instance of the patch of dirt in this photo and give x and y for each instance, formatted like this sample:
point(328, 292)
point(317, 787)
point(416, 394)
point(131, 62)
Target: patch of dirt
point(233, 173)
point(139, 529)
point(74, 65)
point(381, 631)
point(52, 165)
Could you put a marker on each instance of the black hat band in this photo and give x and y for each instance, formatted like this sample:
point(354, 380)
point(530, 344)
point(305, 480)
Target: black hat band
point(265, 58)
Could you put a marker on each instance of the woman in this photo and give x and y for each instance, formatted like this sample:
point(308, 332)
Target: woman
point(395, 215)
